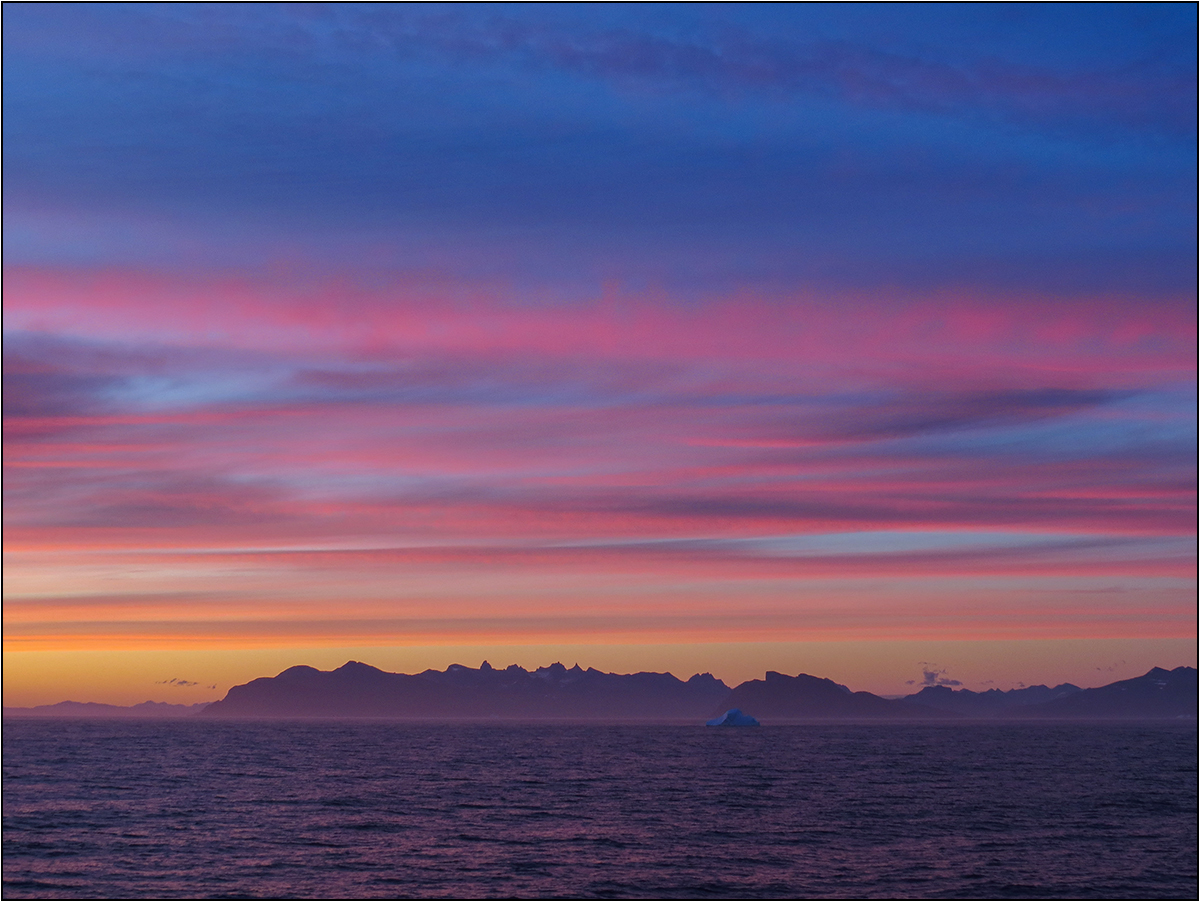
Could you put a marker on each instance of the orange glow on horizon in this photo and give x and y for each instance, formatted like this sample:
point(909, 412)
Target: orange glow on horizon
point(885, 666)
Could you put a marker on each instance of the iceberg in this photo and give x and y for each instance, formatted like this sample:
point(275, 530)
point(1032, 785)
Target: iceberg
point(733, 718)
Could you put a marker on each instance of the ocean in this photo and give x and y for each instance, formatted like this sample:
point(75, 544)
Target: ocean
point(362, 809)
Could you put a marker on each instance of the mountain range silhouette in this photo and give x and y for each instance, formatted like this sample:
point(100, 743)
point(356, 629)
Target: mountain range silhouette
point(554, 692)
point(574, 694)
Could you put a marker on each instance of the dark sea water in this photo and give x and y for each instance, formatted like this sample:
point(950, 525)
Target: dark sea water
point(110, 809)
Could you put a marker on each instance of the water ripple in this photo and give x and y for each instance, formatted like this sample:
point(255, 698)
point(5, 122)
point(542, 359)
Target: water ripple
point(376, 810)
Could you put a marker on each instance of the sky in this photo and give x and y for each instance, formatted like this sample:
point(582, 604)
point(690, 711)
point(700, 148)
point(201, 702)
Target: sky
point(850, 340)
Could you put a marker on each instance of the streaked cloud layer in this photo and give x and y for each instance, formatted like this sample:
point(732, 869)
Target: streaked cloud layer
point(353, 325)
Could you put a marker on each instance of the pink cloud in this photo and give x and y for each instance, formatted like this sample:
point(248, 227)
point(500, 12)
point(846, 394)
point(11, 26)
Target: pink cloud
point(944, 338)
point(327, 444)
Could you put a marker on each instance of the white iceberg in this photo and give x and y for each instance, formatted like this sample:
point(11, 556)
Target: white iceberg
point(733, 718)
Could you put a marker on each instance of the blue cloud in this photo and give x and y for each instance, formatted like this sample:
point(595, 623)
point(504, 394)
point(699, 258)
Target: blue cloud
point(698, 148)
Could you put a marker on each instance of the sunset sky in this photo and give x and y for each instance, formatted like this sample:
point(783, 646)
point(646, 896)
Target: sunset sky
point(852, 340)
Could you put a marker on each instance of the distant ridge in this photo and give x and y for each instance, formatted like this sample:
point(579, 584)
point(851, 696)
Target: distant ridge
point(1157, 693)
point(1154, 695)
point(574, 694)
point(93, 709)
point(803, 697)
point(992, 703)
